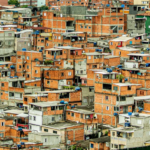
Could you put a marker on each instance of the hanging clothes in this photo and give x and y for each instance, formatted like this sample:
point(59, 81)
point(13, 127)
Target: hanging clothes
point(91, 116)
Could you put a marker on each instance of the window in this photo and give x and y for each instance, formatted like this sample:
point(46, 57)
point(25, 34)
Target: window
point(120, 28)
point(113, 133)
point(69, 73)
point(45, 130)
point(94, 66)
point(1, 93)
point(122, 98)
point(68, 113)
point(72, 114)
point(134, 8)
point(129, 87)
point(85, 81)
point(36, 71)
point(27, 57)
point(30, 127)
point(139, 122)
point(27, 66)
point(55, 132)
point(2, 123)
point(116, 108)
point(45, 140)
point(130, 134)
point(34, 84)
point(115, 88)
point(106, 97)
point(147, 58)
point(68, 82)
point(91, 89)
point(141, 92)
point(19, 66)
point(28, 76)
point(30, 117)
point(53, 118)
point(81, 115)
point(11, 94)
point(2, 84)
point(47, 73)
point(107, 107)
point(62, 74)
point(48, 82)
point(53, 108)
point(92, 145)
point(34, 118)
point(42, 41)
point(89, 57)
point(111, 43)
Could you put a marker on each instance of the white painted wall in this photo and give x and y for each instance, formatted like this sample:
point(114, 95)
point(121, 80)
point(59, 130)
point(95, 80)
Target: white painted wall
point(131, 65)
point(40, 3)
point(38, 115)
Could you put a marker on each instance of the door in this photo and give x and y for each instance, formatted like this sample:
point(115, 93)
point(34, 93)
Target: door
point(125, 109)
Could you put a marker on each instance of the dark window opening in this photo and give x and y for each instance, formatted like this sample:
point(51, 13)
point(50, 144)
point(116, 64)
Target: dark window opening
point(107, 86)
point(129, 87)
point(53, 108)
point(64, 95)
point(25, 99)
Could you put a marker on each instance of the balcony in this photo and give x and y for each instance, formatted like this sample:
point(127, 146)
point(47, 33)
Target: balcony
point(70, 28)
point(126, 102)
point(119, 140)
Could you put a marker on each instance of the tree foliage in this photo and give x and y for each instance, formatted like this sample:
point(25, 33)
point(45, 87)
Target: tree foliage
point(44, 8)
point(13, 2)
point(24, 6)
point(120, 77)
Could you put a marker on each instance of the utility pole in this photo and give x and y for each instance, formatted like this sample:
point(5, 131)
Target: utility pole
point(30, 2)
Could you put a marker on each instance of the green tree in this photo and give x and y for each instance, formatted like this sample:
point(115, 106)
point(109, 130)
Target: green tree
point(44, 8)
point(24, 6)
point(120, 77)
point(14, 2)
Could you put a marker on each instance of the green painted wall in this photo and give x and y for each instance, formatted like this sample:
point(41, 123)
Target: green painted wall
point(147, 23)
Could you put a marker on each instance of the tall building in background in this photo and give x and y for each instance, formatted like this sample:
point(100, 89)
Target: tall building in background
point(37, 3)
point(3, 2)
point(28, 2)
